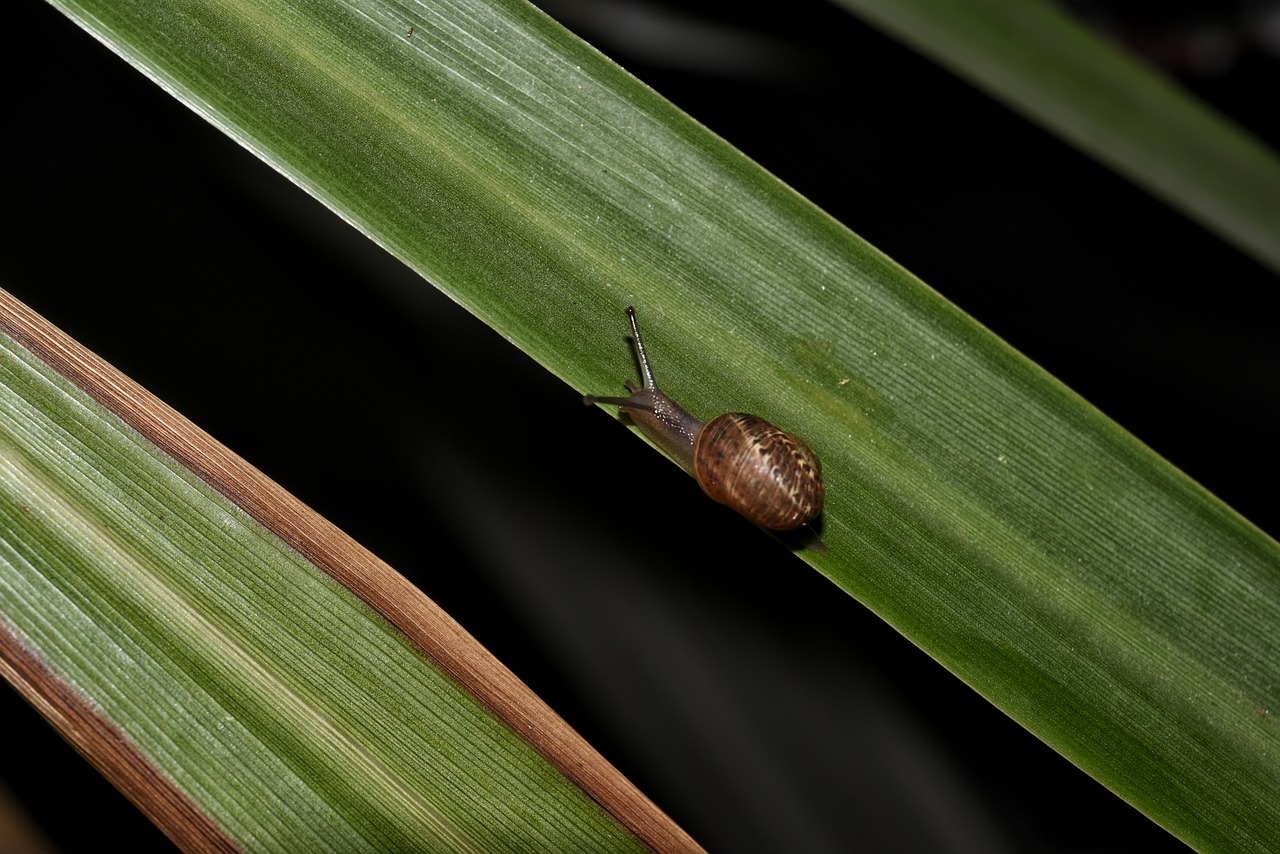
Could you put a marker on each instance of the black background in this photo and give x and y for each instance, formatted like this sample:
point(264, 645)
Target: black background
point(776, 717)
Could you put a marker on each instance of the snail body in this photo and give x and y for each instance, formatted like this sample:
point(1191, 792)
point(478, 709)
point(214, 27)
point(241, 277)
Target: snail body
point(768, 475)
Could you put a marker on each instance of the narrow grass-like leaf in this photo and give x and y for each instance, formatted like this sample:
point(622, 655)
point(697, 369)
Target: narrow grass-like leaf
point(1014, 533)
point(181, 620)
point(1044, 63)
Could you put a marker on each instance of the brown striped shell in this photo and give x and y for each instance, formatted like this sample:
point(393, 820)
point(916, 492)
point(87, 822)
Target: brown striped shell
point(766, 474)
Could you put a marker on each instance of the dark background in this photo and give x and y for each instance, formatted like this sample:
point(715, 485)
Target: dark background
point(780, 718)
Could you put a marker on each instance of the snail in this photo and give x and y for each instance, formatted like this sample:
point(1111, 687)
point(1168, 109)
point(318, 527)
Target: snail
point(762, 472)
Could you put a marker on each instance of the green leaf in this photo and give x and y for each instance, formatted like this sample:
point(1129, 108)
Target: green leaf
point(1045, 64)
point(1002, 524)
point(285, 709)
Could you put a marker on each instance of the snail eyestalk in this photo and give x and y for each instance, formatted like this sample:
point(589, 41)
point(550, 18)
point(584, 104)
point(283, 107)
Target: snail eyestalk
point(646, 372)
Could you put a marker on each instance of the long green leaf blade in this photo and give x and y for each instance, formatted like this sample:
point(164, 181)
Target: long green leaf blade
point(286, 710)
point(1034, 56)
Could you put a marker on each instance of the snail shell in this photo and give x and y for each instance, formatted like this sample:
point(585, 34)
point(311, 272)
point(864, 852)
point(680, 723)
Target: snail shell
point(766, 474)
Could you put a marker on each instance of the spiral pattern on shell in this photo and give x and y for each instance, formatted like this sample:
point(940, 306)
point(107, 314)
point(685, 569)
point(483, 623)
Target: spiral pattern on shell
point(764, 473)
